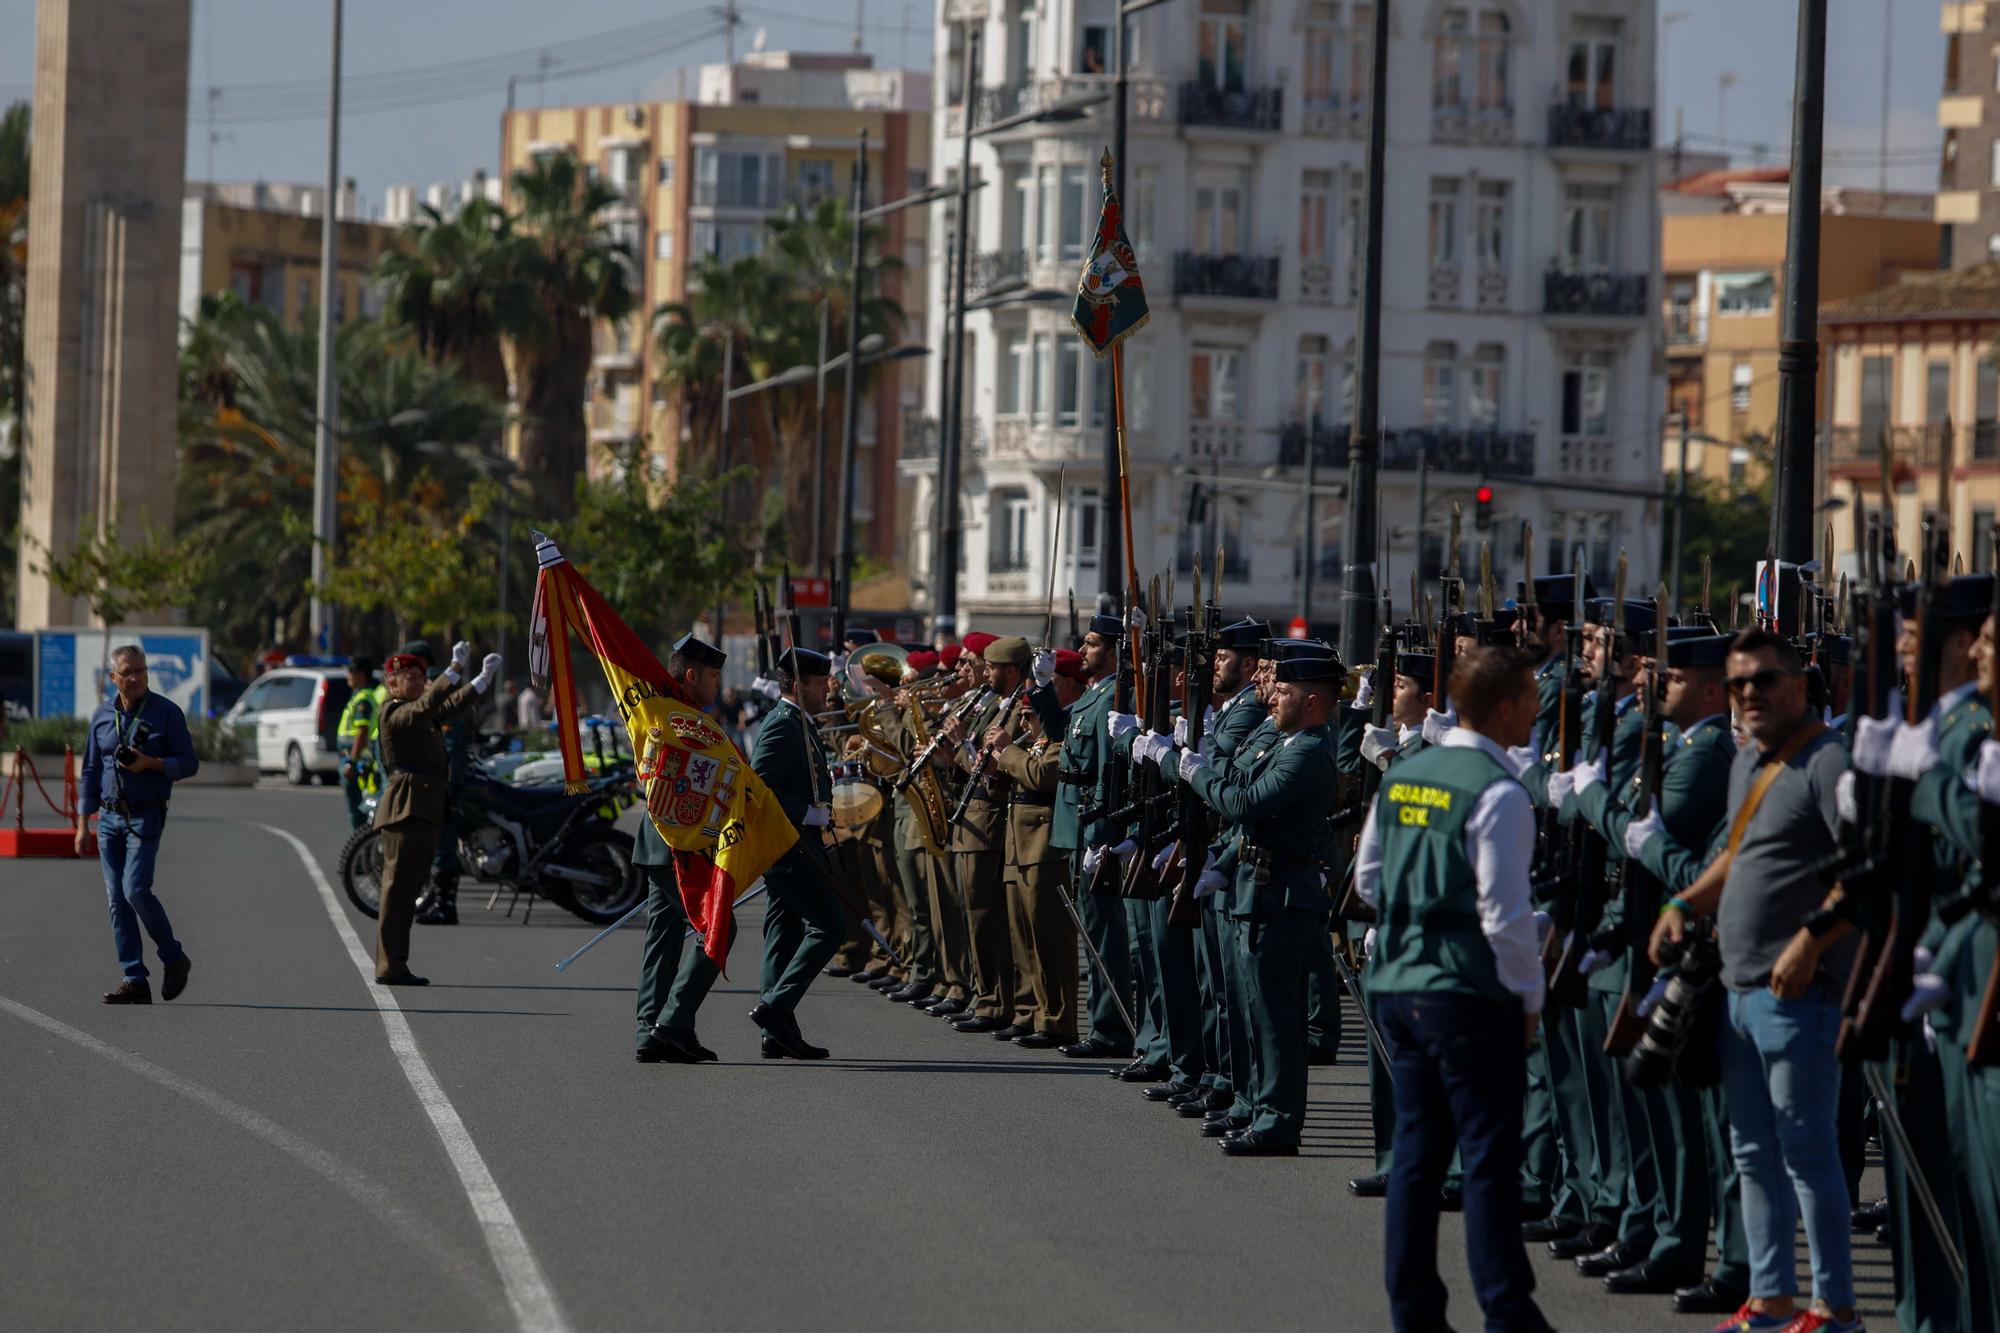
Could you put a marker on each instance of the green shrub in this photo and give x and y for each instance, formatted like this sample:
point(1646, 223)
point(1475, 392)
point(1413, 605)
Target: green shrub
point(48, 735)
point(219, 742)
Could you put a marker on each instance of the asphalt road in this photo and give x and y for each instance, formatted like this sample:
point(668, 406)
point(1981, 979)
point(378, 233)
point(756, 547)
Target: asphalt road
point(274, 1150)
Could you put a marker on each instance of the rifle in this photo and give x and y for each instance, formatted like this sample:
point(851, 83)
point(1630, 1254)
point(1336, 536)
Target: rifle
point(1351, 907)
point(1141, 881)
point(1984, 1046)
point(1447, 623)
point(1191, 822)
point(761, 612)
point(1587, 852)
point(1641, 889)
point(1528, 623)
point(1075, 625)
point(1105, 880)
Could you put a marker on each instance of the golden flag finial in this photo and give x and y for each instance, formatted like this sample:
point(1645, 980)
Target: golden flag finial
point(1105, 163)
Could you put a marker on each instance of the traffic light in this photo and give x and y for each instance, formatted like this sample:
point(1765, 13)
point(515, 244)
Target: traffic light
point(1482, 512)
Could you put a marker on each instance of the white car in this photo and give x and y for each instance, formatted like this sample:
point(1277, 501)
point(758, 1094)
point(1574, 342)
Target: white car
point(290, 714)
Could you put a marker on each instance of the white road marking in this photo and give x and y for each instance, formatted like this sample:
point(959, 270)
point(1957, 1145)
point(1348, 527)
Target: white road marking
point(528, 1292)
point(364, 1189)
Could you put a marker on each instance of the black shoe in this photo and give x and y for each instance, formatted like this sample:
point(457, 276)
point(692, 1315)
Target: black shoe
point(1709, 1297)
point(1451, 1200)
point(978, 1023)
point(947, 1008)
point(1222, 1126)
point(1202, 1107)
point(1251, 1143)
point(1587, 1241)
point(1648, 1277)
point(1871, 1215)
point(440, 912)
point(1554, 1228)
point(1036, 1041)
point(1011, 1031)
point(130, 992)
point(911, 995)
point(1090, 1048)
point(782, 1031)
point(403, 978)
point(683, 1046)
point(888, 983)
point(1368, 1187)
point(1196, 1093)
point(1609, 1260)
point(1140, 1072)
point(1167, 1092)
point(837, 970)
point(176, 978)
point(869, 976)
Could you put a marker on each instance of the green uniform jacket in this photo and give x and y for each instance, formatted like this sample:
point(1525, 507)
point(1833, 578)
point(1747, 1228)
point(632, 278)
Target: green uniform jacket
point(1279, 794)
point(1081, 758)
point(789, 758)
point(1963, 952)
point(413, 753)
point(1548, 710)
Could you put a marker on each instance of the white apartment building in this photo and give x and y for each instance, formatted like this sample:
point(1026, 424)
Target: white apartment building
point(1522, 271)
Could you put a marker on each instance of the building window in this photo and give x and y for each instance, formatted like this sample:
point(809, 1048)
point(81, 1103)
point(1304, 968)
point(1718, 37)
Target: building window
point(1489, 227)
point(1937, 391)
point(1982, 546)
point(1874, 398)
point(1043, 392)
point(1322, 60)
point(1051, 211)
point(1489, 55)
point(1745, 293)
point(666, 172)
point(1007, 547)
point(1069, 383)
point(1015, 225)
point(1680, 311)
point(1100, 385)
point(727, 242)
point(1222, 51)
point(1448, 51)
point(1218, 219)
point(1587, 213)
point(812, 181)
point(1440, 407)
point(1072, 212)
point(1739, 387)
point(1219, 520)
point(1093, 49)
point(1315, 201)
point(1986, 390)
point(1139, 388)
point(1360, 54)
point(1586, 394)
point(1443, 223)
point(1482, 387)
point(1214, 382)
point(663, 245)
point(1593, 63)
point(1021, 56)
point(1309, 399)
point(1015, 388)
point(1142, 219)
point(1080, 532)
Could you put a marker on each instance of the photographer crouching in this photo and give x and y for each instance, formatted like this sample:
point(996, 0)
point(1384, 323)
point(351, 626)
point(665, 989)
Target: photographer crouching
point(137, 749)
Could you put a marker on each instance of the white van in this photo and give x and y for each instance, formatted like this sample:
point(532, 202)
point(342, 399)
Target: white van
point(292, 713)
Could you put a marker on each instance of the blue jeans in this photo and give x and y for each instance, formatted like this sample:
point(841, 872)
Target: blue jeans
point(127, 847)
point(1782, 1085)
point(1461, 1078)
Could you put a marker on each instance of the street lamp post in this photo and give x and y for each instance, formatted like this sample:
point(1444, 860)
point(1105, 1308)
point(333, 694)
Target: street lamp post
point(851, 409)
point(819, 439)
point(1798, 345)
point(944, 602)
point(1357, 591)
point(325, 444)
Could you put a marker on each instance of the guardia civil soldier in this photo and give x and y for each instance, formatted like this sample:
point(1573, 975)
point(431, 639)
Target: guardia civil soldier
point(1456, 987)
point(416, 793)
point(666, 1031)
point(1078, 824)
point(1280, 796)
point(804, 923)
point(355, 735)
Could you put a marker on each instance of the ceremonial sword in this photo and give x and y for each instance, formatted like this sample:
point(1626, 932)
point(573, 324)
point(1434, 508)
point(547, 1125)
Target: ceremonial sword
point(636, 909)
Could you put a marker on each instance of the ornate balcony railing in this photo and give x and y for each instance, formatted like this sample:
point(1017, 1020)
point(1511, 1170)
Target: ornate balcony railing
point(996, 268)
point(1316, 283)
point(1471, 125)
point(1618, 294)
point(1223, 441)
point(1334, 119)
point(1441, 293)
point(1253, 276)
point(1620, 129)
point(1683, 329)
point(1249, 109)
point(1492, 289)
point(919, 438)
point(1924, 445)
point(1473, 450)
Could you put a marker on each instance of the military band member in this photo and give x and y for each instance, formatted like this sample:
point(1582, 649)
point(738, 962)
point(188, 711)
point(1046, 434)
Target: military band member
point(417, 793)
point(804, 923)
point(1456, 986)
point(978, 840)
point(666, 1012)
point(948, 918)
point(912, 875)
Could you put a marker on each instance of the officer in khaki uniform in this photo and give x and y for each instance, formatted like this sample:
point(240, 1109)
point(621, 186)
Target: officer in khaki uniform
point(416, 800)
point(978, 842)
point(919, 947)
point(948, 918)
point(1044, 936)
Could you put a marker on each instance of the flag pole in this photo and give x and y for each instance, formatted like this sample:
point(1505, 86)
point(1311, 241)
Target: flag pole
point(1125, 501)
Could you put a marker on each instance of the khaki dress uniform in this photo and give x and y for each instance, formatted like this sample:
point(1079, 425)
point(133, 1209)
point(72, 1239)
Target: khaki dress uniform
point(415, 805)
point(1044, 937)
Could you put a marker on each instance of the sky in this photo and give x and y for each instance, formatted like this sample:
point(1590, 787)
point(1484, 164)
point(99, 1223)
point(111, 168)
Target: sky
point(260, 131)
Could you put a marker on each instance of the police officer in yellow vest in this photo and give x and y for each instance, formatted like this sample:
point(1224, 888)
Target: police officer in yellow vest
point(355, 735)
point(1456, 987)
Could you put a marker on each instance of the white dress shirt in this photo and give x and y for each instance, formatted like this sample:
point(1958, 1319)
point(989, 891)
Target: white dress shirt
point(1500, 843)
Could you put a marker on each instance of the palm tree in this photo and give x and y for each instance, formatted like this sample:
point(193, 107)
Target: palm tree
point(574, 272)
point(459, 289)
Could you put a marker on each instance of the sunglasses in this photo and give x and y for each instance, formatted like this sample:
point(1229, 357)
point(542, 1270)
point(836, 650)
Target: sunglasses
point(1764, 680)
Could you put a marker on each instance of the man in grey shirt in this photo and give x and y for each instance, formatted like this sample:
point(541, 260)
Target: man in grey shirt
point(1779, 1075)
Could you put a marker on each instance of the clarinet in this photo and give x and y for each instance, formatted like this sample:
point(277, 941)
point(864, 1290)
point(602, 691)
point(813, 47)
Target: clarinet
point(922, 757)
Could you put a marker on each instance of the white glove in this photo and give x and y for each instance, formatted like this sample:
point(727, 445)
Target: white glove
point(1181, 732)
point(1588, 775)
point(1364, 697)
point(1149, 746)
point(1126, 850)
point(1135, 619)
point(817, 816)
point(1642, 831)
point(1166, 855)
point(461, 656)
point(1522, 758)
point(1986, 778)
point(1914, 751)
point(1927, 989)
point(1091, 859)
point(1192, 762)
point(838, 667)
point(1873, 738)
point(1593, 960)
point(488, 669)
point(1560, 784)
point(1436, 724)
point(1044, 666)
point(1211, 880)
point(1121, 724)
point(1377, 742)
point(1545, 926)
point(1368, 943)
point(1844, 799)
point(768, 688)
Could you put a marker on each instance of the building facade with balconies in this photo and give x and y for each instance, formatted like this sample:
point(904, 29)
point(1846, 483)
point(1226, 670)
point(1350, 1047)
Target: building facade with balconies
point(1519, 327)
point(1968, 197)
point(1911, 376)
point(706, 177)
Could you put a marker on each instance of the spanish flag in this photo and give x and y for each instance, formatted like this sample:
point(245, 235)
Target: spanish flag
point(724, 825)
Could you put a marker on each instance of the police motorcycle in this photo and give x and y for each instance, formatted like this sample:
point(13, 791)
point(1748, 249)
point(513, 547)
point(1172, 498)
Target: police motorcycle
point(536, 840)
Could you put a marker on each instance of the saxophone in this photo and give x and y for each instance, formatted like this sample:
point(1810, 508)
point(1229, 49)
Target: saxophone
point(926, 795)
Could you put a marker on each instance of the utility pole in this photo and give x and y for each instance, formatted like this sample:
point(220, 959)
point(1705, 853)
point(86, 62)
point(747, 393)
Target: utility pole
point(1357, 590)
point(1111, 533)
point(326, 444)
point(1680, 510)
point(1798, 339)
point(844, 550)
point(819, 438)
point(951, 432)
point(722, 454)
point(1311, 540)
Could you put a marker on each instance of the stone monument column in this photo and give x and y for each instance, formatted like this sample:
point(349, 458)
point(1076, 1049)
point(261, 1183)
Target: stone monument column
point(104, 221)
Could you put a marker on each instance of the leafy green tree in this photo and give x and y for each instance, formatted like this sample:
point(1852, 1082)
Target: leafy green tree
point(459, 288)
point(1729, 526)
point(118, 576)
point(418, 568)
point(574, 272)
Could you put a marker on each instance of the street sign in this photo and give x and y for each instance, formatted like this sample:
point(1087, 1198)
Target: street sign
point(812, 592)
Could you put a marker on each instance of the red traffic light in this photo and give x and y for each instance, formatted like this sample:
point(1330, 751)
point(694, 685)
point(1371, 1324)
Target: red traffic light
point(1484, 495)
